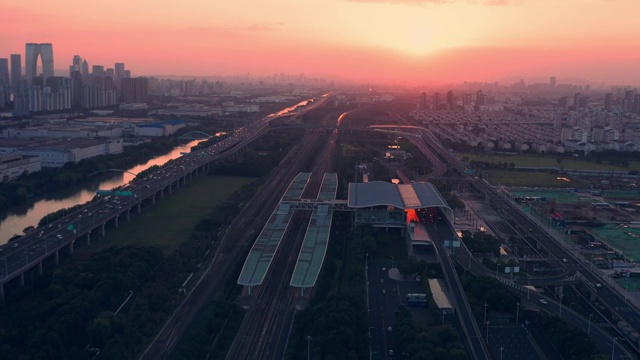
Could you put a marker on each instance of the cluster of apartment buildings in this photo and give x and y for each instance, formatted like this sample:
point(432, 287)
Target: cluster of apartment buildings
point(542, 129)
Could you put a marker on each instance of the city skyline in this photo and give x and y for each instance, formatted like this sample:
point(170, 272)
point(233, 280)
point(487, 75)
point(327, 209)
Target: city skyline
point(411, 41)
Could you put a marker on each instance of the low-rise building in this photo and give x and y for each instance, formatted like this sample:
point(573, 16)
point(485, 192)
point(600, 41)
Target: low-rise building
point(56, 154)
point(14, 164)
point(161, 128)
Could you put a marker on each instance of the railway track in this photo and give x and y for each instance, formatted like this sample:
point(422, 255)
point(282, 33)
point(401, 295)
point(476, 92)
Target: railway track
point(263, 333)
point(233, 246)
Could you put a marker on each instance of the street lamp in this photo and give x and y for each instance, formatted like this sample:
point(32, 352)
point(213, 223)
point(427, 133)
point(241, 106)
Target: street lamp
point(392, 259)
point(485, 313)
point(517, 312)
point(613, 348)
point(443, 312)
point(501, 348)
point(308, 347)
point(589, 326)
point(488, 331)
point(560, 302)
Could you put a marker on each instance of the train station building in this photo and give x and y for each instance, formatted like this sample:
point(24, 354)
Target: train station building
point(387, 205)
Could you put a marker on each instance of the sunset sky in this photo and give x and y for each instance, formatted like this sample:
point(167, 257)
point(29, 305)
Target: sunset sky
point(411, 41)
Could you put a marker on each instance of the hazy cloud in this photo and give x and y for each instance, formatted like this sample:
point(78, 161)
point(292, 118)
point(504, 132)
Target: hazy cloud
point(436, 2)
point(259, 27)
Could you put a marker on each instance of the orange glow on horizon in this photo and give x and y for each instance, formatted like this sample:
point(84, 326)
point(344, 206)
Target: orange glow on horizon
point(404, 41)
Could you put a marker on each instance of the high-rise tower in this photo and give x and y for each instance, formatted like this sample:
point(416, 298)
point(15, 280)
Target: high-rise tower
point(5, 82)
point(16, 73)
point(45, 52)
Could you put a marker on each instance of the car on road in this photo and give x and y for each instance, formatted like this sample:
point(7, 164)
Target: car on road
point(390, 351)
point(384, 291)
point(543, 301)
point(381, 280)
point(565, 260)
point(598, 285)
point(389, 329)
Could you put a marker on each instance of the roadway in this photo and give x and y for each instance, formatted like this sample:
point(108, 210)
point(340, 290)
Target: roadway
point(383, 299)
point(31, 249)
point(605, 294)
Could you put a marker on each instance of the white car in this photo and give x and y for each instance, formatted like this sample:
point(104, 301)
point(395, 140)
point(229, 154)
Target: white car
point(543, 301)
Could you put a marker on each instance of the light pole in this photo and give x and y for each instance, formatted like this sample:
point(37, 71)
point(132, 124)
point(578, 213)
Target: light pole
point(613, 348)
point(517, 312)
point(626, 290)
point(501, 348)
point(589, 325)
point(308, 347)
point(392, 259)
point(488, 331)
point(560, 314)
point(443, 312)
point(485, 313)
point(571, 305)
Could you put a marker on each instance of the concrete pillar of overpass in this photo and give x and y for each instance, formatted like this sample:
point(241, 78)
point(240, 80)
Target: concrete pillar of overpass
point(57, 257)
point(128, 214)
point(139, 207)
point(153, 199)
point(88, 238)
point(40, 268)
point(2, 294)
point(71, 247)
point(116, 220)
point(102, 229)
point(169, 187)
point(22, 279)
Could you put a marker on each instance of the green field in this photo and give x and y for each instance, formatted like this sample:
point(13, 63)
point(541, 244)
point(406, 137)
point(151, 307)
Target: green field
point(624, 239)
point(540, 161)
point(525, 179)
point(170, 221)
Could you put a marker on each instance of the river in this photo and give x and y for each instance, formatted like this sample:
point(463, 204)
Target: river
point(15, 223)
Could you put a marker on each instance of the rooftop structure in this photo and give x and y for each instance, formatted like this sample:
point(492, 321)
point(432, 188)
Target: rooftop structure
point(402, 196)
point(316, 239)
point(259, 258)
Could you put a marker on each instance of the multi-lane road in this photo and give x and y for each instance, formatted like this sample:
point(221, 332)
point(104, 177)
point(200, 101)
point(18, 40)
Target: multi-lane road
point(30, 250)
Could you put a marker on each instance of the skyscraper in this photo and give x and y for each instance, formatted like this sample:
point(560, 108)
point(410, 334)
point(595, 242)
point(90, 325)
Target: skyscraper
point(119, 68)
point(608, 101)
point(552, 82)
point(97, 70)
point(436, 101)
point(423, 101)
point(450, 100)
point(5, 82)
point(16, 73)
point(76, 64)
point(576, 100)
point(135, 90)
point(85, 69)
point(480, 98)
point(466, 99)
point(33, 51)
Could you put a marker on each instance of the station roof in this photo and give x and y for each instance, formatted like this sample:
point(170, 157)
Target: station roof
point(259, 258)
point(314, 248)
point(403, 196)
point(297, 186)
point(329, 187)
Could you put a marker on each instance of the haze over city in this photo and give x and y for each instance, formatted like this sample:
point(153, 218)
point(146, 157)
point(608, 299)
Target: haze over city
point(411, 41)
point(329, 180)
